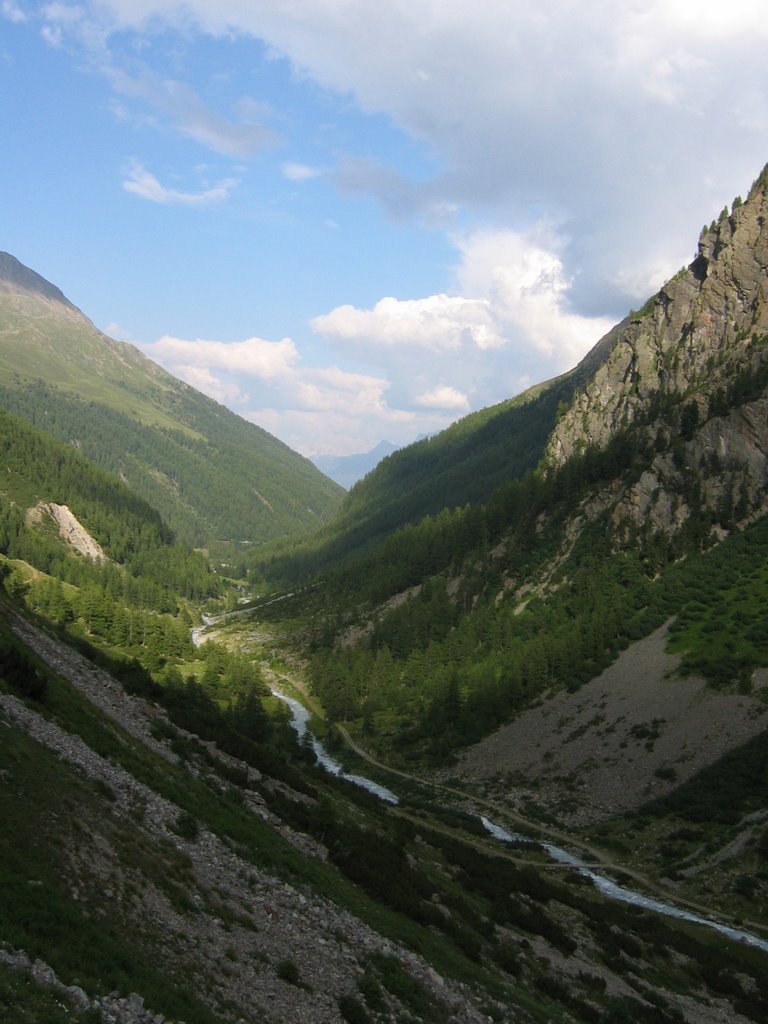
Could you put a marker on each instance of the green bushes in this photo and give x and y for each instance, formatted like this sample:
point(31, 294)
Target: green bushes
point(353, 1011)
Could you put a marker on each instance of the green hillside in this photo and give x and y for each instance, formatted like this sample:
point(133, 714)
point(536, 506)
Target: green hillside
point(212, 475)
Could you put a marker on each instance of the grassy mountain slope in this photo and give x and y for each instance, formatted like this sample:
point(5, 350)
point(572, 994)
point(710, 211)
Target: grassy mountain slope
point(166, 835)
point(466, 464)
point(212, 475)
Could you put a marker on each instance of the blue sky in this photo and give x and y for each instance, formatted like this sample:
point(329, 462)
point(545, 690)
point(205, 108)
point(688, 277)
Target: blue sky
point(352, 220)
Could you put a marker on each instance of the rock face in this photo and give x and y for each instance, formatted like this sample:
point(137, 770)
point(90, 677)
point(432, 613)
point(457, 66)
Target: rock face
point(689, 373)
point(70, 529)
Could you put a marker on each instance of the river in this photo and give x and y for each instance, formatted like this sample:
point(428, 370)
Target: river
point(300, 722)
point(614, 891)
point(610, 889)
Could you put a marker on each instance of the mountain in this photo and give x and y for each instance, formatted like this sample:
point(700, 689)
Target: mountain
point(698, 343)
point(346, 470)
point(682, 376)
point(554, 633)
point(149, 874)
point(211, 474)
point(577, 625)
point(170, 851)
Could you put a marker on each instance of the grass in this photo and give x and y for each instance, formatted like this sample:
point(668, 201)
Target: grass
point(205, 804)
point(722, 630)
point(50, 807)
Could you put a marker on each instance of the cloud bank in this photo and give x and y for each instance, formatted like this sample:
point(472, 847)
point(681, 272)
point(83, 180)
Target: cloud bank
point(569, 152)
point(601, 115)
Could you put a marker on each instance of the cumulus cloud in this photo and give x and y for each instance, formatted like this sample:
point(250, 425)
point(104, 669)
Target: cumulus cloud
point(592, 140)
point(314, 409)
point(443, 397)
point(511, 323)
point(601, 114)
point(337, 432)
point(203, 380)
point(141, 182)
point(438, 323)
point(254, 357)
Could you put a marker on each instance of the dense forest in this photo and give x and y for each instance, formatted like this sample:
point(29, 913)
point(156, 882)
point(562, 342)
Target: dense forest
point(207, 486)
point(134, 610)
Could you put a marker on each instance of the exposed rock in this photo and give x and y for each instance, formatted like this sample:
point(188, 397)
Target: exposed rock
point(706, 329)
point(71, 529)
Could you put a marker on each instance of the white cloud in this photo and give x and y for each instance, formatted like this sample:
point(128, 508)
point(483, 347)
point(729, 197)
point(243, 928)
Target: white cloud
point(443, 397)
point(338, 433)
point(254, 357)
point(311, 408)
point(525, 284)
point(438, 323)
point(241, 136)
point(140, 182)
point(299, 172)
point(593, 139)
point(511, 323)
point(191, 116)
point(202, 379)
point(601, 115)
point(12, 12)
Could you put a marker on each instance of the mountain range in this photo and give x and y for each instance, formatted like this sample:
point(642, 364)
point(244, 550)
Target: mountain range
point(547, 624)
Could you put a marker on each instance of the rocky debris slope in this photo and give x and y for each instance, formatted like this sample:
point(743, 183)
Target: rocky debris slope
point(114, 1009)
point(247, 924)
point(632, 734)
point(71, 530)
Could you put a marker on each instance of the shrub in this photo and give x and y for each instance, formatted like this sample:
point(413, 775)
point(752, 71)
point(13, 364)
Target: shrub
point(187, 826)
point(353, 1011)
point(288, 971)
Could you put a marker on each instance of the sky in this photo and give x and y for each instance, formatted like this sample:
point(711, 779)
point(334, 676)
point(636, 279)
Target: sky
point(357, 220)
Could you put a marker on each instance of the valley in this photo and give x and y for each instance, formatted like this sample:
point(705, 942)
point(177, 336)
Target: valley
point(217, 870)
point(465, 786)
point(532, 650)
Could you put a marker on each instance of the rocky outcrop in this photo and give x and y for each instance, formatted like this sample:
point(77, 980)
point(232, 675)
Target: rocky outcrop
point(113, 1008)
point(71, 530)
point(688, 375)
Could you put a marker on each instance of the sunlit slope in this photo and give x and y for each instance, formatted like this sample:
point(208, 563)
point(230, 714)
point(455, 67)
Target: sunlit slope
point(212, 475)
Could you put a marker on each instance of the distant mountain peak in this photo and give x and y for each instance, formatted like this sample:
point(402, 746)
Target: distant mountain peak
point(14, 276)
point(346, 470)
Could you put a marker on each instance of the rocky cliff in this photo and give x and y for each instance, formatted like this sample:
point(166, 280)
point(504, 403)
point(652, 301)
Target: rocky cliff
point(686, 377)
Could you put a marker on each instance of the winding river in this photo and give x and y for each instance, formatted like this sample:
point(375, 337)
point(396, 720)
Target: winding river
point(300, 722)
point(610, 889)
point(614, 891)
